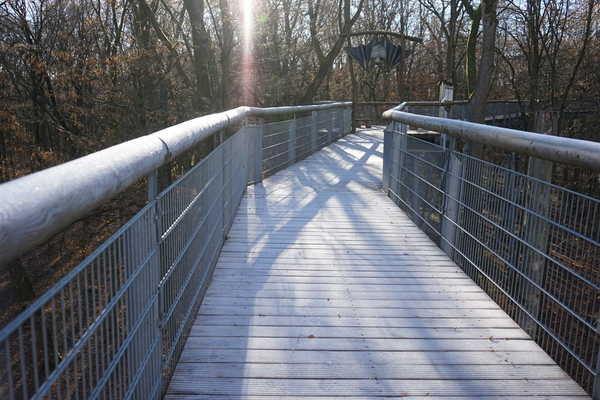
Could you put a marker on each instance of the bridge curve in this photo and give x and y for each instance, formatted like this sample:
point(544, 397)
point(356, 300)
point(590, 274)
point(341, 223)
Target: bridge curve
point(325, 288)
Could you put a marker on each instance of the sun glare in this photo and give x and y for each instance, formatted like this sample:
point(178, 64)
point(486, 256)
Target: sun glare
point(247, 9)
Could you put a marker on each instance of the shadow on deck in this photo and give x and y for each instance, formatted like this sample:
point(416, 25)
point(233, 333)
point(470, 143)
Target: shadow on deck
point(326, 288)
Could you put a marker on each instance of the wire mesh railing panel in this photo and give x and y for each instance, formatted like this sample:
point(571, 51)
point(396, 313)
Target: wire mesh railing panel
point(323, 128)
point(187, 244)
point(533, 246)
point(276, 143)
point(115, 326)
point(347, 120)
point(303, 145)
point(286, 142)
point(237, 172)
point(93, 335)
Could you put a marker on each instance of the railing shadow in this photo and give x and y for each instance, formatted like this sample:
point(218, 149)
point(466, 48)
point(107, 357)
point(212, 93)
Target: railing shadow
point(275, 210)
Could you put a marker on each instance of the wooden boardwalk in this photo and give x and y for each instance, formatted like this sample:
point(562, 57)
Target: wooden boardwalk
point(325, 288)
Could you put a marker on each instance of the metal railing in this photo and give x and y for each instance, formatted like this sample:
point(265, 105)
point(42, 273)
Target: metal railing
point(114, 326)
point(503, 112)
point(285, 142)
point(533, 246)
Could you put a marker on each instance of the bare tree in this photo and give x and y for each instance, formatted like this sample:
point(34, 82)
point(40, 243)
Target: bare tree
point(202, 56)
point(327, 62)
point(478, 101)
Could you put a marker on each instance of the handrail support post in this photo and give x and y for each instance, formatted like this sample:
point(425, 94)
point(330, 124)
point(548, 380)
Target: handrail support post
point(153, 185)
point(258, 150)
point(292, 141)
point(452, 192)
point(314, 117)
point(537, 231)
point(331, 126)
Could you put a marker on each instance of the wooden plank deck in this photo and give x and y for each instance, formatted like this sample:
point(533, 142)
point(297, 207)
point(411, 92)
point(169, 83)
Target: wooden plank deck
point(325, 289)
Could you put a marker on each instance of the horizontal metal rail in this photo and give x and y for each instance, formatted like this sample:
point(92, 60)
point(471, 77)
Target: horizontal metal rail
point(37, 206)
point(503, 112)
point(577, 152)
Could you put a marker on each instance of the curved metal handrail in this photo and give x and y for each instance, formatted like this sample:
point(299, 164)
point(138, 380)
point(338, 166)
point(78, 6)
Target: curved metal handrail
point(583, 153)
point(37, 206)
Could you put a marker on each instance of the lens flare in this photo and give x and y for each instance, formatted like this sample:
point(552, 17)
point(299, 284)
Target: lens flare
point(247, 9)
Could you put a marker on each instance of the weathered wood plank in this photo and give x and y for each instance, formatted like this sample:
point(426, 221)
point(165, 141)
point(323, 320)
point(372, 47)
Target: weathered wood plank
point(366, 371)
point(353, 303)
point(366, 357)
point(307, 343)
point(412, 287)
point(329, 270)
point(335, 264)
point(326, 280)
point(354, 312)
point(356, 332)
point(375, 387)
point(396, 295)
point(360, 322)
point(285, 397)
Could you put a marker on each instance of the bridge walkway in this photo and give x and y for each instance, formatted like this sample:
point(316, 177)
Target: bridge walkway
point(325, 288)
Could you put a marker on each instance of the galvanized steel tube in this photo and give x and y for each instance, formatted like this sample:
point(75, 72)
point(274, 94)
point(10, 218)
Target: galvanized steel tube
point(582, 153)
point(37, 206)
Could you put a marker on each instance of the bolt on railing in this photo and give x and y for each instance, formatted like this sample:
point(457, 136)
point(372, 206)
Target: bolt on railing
point(533, 246)
point(115, 326)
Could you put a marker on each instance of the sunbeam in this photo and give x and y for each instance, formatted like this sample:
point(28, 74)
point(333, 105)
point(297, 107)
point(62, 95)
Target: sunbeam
point(247, 76)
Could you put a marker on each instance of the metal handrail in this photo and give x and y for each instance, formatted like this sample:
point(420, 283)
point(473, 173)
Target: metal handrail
point(583, 153)
point(37, 206)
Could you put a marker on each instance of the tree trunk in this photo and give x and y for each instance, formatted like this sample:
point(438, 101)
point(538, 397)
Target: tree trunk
point(451, 50)
point(471, 55)
point(200, 42)
point(477, 103)
point(226, 49)
point(351, 69)
point(145, 82)
point(326, 64)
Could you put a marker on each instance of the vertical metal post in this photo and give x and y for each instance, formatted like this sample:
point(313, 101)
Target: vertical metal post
point(331, 126)
point(216, 141)
point(536, 230)
point(226, 175)
point(344, 121)
point(388, 142)
point(452, 190)
point(314, 119)
point(340, 121)
point(153, 185)
point(446, 95)
point(292, 141)
point(258, 150)
point(350, 120)
point(133, 297)
point(399, 149)
point(451, 182)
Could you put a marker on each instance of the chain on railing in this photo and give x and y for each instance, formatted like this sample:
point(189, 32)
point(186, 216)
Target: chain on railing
point(115, 326)
point(534, 247)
